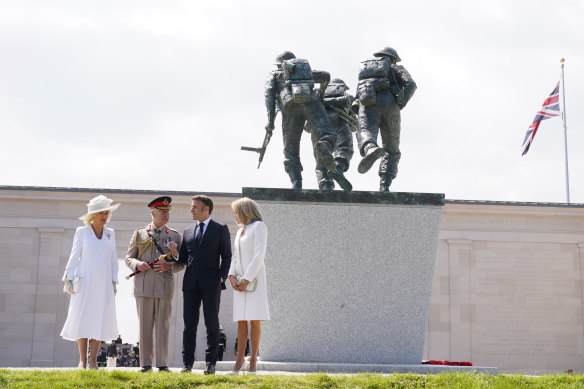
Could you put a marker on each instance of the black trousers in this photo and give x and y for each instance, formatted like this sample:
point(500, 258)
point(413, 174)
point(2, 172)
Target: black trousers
point(211, 299)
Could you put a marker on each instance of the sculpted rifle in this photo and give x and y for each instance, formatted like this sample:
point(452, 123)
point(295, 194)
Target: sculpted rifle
point(261, 150)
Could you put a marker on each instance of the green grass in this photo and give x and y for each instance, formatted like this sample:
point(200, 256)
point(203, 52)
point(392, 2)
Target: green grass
point(55, 379)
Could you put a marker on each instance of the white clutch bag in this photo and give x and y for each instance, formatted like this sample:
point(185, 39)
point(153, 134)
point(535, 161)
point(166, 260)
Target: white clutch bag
point(76, 283)
point(250, 287)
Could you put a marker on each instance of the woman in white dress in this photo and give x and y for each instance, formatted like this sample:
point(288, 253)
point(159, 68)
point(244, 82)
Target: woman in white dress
point(247, 264)
point(92, 309)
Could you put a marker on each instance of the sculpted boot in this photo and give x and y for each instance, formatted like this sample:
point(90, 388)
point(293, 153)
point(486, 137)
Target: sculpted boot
point(324, 181)
point(384, 183)
point(326, 186)
point(296, 179)
point(339, 177)
point(371, 155)
point(326, 157)
point(388, 171)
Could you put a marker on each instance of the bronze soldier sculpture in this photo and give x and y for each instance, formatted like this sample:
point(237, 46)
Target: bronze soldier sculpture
point(384, 89)
point(337, 104)
point(290, 90)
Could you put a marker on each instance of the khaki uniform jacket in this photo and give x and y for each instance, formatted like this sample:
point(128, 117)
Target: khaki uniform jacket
point(142, 249)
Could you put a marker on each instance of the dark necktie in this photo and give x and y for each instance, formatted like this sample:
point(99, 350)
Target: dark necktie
point(199, 236)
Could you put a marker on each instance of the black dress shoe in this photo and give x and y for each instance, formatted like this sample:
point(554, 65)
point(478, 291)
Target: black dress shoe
point(210, 369)
point(187, 369)
point(145, 369)
point(163, 368)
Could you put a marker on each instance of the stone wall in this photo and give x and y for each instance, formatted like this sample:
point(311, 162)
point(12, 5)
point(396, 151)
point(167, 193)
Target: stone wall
point(507, 289)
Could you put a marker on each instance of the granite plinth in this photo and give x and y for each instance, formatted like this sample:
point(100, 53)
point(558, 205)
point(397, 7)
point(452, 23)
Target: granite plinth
point(349, 280)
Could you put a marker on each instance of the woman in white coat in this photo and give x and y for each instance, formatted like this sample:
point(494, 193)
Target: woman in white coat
point(247, 267)
point(90, 278)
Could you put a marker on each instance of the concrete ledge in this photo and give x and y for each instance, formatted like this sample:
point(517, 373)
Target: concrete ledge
point(353, 368)
point(339, 196)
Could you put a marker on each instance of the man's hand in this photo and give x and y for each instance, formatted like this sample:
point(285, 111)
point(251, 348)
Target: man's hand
point(270, 127)
point(173, 247)
point(143, 266)
point(162, 266)
point(115, 287)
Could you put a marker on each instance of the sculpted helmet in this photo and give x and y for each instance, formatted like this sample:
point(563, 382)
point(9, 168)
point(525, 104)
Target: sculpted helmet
point(286, 55)
point(340, 82)
point(388, 52)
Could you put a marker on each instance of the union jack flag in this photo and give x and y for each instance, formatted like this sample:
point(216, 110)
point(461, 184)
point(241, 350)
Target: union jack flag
point(549, 109)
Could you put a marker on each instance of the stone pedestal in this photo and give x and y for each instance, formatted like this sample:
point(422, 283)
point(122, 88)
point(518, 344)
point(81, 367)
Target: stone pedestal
point(349, 274)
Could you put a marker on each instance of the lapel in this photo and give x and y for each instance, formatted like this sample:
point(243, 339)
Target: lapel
point(189, 236)
point(238, 251)
point(210, 229)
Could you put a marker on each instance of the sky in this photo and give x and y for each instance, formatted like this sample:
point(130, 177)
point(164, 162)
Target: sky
point(161, 95)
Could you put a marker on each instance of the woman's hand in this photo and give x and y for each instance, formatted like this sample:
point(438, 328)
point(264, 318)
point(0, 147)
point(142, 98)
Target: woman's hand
point(69, 286)
point(243, 285)
point(234, 283)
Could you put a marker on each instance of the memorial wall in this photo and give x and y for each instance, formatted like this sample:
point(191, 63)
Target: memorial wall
point(507, 289)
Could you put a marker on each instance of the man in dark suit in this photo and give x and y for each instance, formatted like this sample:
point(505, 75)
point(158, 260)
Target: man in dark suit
point(206, 250)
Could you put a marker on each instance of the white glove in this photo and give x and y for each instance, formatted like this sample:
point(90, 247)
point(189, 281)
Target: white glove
point(115, 287)
point(68, 288)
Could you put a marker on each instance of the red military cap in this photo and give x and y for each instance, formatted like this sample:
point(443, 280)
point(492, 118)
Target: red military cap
point(162, 203)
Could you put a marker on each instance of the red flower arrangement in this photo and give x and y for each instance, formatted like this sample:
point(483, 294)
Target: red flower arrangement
point(449, 363)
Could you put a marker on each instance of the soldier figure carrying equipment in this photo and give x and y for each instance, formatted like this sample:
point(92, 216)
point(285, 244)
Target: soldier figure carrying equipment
point(290, 90)
point(384, 89)
point(337, 104)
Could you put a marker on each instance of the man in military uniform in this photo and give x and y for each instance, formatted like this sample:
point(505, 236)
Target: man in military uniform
point(337, 104)
point(154, 285)
point(289, 89)
point(384, 89)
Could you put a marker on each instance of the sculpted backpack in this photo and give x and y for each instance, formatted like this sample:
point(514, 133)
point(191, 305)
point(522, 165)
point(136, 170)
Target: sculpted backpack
point(298, 77)
point(372, 79)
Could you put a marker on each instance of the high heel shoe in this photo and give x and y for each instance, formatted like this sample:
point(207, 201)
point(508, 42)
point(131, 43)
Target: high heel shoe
point(241, 368)
point(252, 372)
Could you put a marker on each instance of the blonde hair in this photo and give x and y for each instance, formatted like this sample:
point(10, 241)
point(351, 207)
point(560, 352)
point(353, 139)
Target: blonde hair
point(247, 210)
point(88, 219)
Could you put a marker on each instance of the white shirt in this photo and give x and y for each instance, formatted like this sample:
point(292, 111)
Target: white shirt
point(204, 224)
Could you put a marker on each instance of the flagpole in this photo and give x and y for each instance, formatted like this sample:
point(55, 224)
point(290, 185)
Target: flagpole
point(565, 133)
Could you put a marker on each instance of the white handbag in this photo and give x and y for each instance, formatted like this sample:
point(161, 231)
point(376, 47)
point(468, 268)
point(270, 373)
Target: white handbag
point(76, 284)
point(250, 287)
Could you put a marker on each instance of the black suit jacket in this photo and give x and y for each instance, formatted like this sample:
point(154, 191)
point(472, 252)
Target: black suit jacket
point(207, 265)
